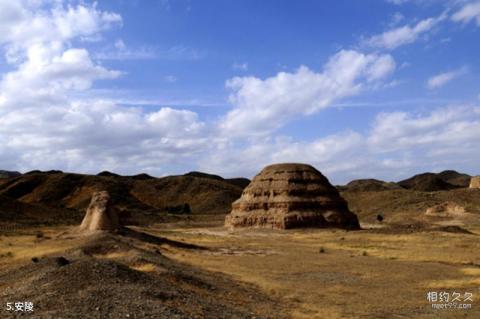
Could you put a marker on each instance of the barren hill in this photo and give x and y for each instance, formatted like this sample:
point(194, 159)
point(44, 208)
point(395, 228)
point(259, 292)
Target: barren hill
point(363, 185)
point(404, 203)
point(8, 174)
point(455, 178)
point(140, 194)
point(426, 182)
point(239, 181)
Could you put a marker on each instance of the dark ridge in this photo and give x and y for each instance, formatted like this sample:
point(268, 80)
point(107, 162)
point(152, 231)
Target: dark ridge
point(50, 172)
point(36, 171)
point(239, 181)
point(204, 175)
point(455, 178)
point(426, 182)
point(108, 174)
point(369, 185)
point(142, 176)
point(9, 174)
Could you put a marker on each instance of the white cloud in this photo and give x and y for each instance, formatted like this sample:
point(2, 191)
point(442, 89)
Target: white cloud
point(237, 160)
point(120, 51)
point(240, 66)
point(469, 12)
point(397, 17)
point(261, 106)
point(24, 24)
point(120, 45)
point(401, 130)
point(45, 124)
point(406, 34)
point(170, 79)
point(441, 79)
point(398, 145)
point(398, 2)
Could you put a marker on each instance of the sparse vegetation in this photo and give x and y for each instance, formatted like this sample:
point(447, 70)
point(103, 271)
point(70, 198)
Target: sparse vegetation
point(8, 254)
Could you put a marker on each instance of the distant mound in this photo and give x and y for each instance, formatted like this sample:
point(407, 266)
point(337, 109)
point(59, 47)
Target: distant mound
point(427, 182)
point(8, 174)
point(139, 195)
point(142, 176)
point(239, 181)
point(108, 174)
point(369, 185)
point(204, 175)
point(455, 178)
point(51, 172)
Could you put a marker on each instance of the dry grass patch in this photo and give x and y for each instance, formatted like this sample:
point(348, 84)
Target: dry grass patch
point(361, 274)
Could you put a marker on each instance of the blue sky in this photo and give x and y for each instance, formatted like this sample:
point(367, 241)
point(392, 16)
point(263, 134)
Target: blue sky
point(359, 89)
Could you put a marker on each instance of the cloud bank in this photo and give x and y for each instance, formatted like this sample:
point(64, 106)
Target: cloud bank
point(45, 124)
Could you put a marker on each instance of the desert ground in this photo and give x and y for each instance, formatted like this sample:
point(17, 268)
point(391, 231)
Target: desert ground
point(188, 265)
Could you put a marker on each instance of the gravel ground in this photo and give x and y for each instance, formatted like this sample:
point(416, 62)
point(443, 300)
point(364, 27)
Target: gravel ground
point(86, 285)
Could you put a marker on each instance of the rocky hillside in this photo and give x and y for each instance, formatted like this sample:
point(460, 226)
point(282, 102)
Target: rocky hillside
point(8, 174)
point(402, 202)
point(429, 182)
point(133, 195)
point(369, 185)
point(455, 178)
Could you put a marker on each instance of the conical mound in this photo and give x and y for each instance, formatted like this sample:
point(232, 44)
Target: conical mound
point(100, 214)
point(475, 182)
point(291, 196)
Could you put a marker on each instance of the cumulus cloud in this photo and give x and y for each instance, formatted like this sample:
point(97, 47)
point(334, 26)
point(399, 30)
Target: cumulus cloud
point(398, 145)
point(24, 24)
point(441, 79)
point(262, 106)
point(44, 123)
point(440, 128)
point(325, 152)
point(469, 12)
point(403, 35)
